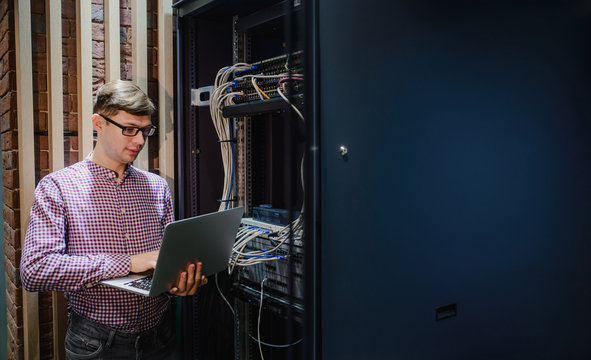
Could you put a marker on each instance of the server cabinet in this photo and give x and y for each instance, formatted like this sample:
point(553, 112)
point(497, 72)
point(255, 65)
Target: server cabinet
point(454, 159)
point(447, 167)
point(241, 143)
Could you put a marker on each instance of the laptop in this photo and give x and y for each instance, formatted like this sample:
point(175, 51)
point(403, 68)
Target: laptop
point(208, 238)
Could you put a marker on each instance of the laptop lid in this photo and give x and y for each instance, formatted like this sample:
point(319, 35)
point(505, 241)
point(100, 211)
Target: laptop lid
point(208, 238)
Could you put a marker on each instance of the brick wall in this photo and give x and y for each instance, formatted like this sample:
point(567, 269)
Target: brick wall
point(10, 179)
point(70, 83)
point(152, 38)
point(9, 140)
point(126, 71)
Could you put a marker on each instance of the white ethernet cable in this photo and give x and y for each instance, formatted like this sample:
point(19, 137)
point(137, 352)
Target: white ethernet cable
point(217, 285)
point(247, 234)
point(221, 96)
point(280, 92)
point(258, 339)
point(259, 320)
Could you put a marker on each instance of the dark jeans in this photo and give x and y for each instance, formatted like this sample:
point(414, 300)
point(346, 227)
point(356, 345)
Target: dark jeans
point(87, 339)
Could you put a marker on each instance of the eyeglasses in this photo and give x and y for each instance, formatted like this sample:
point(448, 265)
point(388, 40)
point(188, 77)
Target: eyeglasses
point(132, 130)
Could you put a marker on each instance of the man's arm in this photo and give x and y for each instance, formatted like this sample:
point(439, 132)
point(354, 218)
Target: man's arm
point(144, 261)
point(45, 265)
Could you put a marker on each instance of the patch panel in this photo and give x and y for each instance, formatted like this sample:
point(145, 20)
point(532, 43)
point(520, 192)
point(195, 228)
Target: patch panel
point(275, 66)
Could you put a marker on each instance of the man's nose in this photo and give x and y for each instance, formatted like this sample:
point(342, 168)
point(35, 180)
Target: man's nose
point(139, 138)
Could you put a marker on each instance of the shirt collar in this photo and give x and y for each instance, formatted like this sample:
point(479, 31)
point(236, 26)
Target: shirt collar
point(99, 170)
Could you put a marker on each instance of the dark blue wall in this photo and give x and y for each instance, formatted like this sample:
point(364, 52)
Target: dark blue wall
point(468, 179)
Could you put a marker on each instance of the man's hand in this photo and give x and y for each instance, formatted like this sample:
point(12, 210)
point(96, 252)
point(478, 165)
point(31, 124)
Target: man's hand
point(144, 261)
point(189, 280)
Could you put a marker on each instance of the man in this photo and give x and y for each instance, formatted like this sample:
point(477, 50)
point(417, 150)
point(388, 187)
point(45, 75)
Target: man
point(103, 218)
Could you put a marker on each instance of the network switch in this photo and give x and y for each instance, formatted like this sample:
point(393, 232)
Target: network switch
point(280, 65)
point(277, 271)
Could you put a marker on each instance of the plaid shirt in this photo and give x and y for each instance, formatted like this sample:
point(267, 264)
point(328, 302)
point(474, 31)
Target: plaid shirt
point(84, 227)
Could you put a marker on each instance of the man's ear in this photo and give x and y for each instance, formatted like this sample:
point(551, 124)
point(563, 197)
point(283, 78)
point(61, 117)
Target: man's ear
point(97, 123)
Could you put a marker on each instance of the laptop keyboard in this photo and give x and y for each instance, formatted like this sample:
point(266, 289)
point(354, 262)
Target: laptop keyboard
point(143, 283)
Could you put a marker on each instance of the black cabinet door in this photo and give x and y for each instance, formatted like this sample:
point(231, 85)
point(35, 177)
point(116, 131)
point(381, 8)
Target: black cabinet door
point(458, 223)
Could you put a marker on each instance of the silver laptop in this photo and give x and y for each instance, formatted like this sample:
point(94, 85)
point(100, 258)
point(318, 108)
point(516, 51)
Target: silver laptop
point(207, 238)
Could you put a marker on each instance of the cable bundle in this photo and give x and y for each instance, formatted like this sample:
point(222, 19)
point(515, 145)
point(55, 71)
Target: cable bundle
point(247, 234)
point(223, 95)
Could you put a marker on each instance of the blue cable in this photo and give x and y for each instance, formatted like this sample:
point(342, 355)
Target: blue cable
point(254, 67)
point(278, 257)
point(258, 229)
point(232, 178)
point(275, 345)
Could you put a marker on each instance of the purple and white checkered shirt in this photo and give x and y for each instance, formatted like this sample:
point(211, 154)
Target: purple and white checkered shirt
point(84, 227)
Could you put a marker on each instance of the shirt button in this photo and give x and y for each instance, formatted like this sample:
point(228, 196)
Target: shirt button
point(123, 211)
point(127, 236)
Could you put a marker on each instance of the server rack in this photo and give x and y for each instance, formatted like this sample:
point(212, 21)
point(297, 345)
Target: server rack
point(474, 172)
point(267, 146)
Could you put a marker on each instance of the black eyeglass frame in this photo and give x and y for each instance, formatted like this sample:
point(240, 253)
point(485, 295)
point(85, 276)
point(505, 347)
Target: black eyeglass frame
point(146, 131)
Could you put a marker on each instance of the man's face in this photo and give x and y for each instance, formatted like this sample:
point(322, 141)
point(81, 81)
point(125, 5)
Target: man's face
point(116, 146)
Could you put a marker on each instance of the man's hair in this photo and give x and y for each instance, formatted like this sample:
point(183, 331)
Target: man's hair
point(120, 95)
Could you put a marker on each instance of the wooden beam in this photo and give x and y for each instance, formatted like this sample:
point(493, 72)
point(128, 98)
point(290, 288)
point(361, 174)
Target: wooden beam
point(55, 84)
point(55, 122)
point(84, 49)
point(112, 42)
point(60, 323)
point(165, 92)
point(26, 158)
point(139, 60)
point(139, 46)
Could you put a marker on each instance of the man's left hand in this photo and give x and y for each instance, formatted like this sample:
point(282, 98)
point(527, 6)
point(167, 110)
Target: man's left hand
point(189, 280)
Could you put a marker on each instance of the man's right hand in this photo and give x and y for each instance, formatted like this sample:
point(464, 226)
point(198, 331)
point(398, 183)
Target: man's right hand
point(144, 262)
